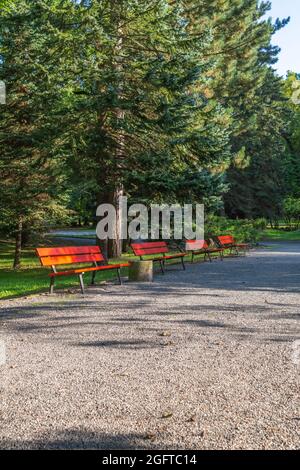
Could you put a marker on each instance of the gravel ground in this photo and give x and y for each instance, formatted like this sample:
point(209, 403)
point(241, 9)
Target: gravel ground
point(204, 359)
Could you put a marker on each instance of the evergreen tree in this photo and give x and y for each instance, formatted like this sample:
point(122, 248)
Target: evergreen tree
point(291, 136)
point(161, 101)
point(30, 169)
point(245, 85)
point(248, 86)
point(140, 114)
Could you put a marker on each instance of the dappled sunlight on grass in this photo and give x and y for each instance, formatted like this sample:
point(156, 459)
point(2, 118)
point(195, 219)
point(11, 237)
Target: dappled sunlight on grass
point(281, 235)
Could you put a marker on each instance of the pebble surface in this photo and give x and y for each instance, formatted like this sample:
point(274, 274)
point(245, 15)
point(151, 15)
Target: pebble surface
point(203, 359)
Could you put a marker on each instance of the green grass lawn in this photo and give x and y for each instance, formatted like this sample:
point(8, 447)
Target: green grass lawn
point(86, 237)
point(33, 278)
point(280, 235)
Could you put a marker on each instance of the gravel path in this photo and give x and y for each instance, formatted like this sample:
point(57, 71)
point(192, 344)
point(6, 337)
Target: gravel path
point(197, 360)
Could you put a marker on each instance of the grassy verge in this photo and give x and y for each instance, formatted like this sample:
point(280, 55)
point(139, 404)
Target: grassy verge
point(81, 237)
point(33, 278)
point(280, 235)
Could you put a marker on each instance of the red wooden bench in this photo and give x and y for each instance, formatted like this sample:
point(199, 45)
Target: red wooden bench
point(76, 255)
point(200, 247)
point(227, 242)
point(156, 248)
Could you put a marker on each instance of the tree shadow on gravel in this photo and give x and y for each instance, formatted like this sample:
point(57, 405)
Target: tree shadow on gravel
point(74, 439)
point(137, 344)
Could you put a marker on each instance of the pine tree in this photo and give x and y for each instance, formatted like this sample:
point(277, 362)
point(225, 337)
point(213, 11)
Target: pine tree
point(246, 86)
point(29, 165)
point(140, 113)
point(291, 135)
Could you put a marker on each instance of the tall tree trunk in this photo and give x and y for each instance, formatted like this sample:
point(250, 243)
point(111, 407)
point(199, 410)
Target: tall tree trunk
point(18, 245)
point(26, 233)
point(112, 248)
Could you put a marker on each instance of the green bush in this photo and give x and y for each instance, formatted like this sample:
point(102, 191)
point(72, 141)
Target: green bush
point(291, 209)
point(248, 231)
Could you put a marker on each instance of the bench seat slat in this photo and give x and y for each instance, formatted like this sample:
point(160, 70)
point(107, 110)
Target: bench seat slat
point(177, 255)
point(87, 270)
point(209, 250)
point(201, 246)
point(150, 245)
point(150, 251)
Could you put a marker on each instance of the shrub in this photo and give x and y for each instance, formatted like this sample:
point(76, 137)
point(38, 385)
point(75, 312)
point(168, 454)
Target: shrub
point(248, 231)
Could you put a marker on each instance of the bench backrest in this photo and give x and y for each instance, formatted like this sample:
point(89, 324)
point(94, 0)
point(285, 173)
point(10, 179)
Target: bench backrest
point(149, 248)
point(226, 240)
point(69, 255)
point(194, 245)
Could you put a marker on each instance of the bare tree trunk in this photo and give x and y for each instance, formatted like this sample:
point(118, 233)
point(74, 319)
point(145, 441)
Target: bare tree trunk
point(114, 249)
point(26, 233)
point(18, 245)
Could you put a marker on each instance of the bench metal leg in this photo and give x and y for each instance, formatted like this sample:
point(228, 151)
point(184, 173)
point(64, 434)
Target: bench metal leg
point(51, 290)
point(119, 276)
point(183, 265)
point(93, 279)
point(161, 262)
point(81, 283)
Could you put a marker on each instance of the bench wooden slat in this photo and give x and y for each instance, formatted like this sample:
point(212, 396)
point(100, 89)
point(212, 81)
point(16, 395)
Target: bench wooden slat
point(192, 245)
point(150, 251)
point(176, 255)
point(156, 248)
point(149, 248)
point(226, 240)
point(68, 250)
point(71, 259)
point(201, 247)
point(150, 245)
point(59, 256)
point(88, 270)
